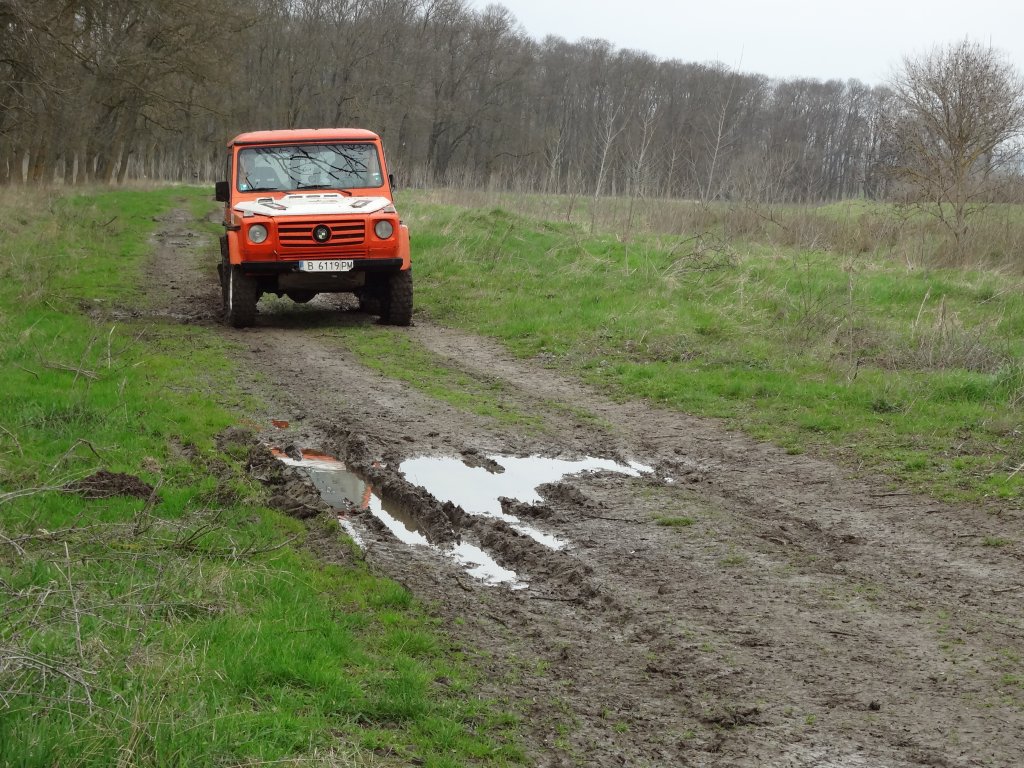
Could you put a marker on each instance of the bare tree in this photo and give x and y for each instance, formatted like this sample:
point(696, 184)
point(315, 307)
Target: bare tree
point(958, 113)
point(106, 90)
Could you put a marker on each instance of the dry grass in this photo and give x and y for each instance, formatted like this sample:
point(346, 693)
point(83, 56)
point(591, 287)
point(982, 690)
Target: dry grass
point(996, 239)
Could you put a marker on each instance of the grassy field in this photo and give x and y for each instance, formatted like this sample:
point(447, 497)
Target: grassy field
point(888, 365)
point(192, 628)
point(195, 627)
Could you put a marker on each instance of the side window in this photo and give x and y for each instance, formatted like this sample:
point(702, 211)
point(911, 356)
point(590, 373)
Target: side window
point(227, 169)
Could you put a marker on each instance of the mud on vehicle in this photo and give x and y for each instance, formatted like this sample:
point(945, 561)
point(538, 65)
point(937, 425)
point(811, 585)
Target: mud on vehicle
point(308, 212)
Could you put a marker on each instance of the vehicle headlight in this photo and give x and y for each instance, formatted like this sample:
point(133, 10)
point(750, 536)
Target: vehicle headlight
point(384, 229)
point(257, 234)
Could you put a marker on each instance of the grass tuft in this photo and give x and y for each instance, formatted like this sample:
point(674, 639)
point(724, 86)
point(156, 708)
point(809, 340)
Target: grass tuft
point(674, 522)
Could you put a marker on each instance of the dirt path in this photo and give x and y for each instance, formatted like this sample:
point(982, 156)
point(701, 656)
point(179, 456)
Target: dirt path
point(794, 615)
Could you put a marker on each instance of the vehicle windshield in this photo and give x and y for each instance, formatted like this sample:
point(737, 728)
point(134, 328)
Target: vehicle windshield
point(309, 166)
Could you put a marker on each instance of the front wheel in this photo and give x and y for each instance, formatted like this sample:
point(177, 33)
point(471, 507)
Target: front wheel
point(240, 296)
point(396, 304)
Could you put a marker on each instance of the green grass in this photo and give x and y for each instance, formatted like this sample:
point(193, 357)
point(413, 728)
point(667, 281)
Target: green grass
point(674, 522)
point(911, 372)
point(392, 352)
point(995, 541)
point(194, 628)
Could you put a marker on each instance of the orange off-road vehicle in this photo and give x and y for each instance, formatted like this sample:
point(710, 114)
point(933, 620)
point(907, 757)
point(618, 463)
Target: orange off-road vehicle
point(308, 212)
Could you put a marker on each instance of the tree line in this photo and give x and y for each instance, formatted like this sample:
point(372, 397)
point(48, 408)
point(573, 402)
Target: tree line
point(107, 90)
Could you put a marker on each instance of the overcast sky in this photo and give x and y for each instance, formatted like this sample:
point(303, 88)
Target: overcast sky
point(823, 39)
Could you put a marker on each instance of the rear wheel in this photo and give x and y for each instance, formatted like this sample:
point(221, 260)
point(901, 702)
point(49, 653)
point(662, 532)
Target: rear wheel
point(396, 302)
point(240, 296)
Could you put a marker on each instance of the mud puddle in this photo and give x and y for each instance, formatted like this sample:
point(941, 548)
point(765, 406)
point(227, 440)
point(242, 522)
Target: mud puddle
point(478, 484)
point(343, 489)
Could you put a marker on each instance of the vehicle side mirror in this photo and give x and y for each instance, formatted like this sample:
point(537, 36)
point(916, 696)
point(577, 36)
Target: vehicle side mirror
point(391, 180)
point(220, 191)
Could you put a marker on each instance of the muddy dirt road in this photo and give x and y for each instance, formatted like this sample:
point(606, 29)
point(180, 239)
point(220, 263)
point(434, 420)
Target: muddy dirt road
point(716, 603)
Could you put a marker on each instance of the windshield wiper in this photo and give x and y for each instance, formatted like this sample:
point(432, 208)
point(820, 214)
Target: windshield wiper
point(324, 186)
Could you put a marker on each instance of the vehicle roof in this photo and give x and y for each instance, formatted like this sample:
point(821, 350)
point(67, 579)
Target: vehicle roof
point(304, 135)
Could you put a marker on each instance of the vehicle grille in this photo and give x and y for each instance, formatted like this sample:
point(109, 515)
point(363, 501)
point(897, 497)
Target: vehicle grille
point(300, 235)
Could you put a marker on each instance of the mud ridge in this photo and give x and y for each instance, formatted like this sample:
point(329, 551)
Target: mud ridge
point(440, 521)
point(290, 490)
point(556, 571)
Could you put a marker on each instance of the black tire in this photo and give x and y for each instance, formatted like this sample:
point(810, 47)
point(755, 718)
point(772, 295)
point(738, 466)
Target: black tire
point(240, 296)
point(396, 304)
point(222, 271)
point(369, 301)
point(301, 297)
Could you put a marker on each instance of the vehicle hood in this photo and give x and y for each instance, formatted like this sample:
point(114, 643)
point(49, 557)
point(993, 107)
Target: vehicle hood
point(312, 204)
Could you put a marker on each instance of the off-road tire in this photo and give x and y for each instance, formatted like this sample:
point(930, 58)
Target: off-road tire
point(301, 297)
point(396, 301)
point(369, 301)
point(240, 297)
point(222, 271)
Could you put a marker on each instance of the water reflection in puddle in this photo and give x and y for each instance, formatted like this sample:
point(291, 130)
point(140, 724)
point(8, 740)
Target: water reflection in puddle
point(480, 565)
point(478, 490)
point(341, 488)
point(310, 460)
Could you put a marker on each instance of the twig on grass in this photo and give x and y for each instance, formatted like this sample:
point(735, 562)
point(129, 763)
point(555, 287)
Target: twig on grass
point(88, 349)
point(189, 541)
point(15, 657)
point(920, 311)
point(14, 438)
point(78, 442)
point(22, 492)
point(144, 513)
point(74, 605)
point(110, 338)
point(251, 552)
point(27, 370)
point(16, 545)
point(73, 369)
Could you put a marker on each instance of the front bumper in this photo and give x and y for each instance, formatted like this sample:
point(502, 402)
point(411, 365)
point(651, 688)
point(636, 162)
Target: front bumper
point(272, 268)
point(284, 276)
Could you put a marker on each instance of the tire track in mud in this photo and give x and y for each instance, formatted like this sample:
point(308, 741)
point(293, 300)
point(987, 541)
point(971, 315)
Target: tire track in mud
point(804, 618)
point(889, 583)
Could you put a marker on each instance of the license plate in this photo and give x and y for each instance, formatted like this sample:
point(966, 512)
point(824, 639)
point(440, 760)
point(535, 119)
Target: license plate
point(326, 265)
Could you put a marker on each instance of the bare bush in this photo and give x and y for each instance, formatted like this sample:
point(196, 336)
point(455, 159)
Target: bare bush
point(952, 135)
